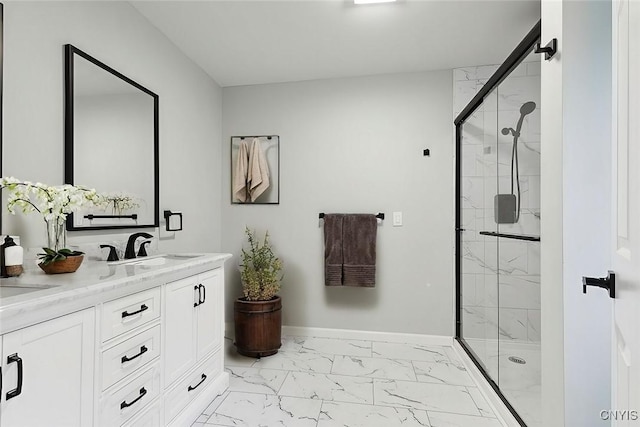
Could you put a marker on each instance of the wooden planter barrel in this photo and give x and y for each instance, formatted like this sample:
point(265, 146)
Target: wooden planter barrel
point(258, 326)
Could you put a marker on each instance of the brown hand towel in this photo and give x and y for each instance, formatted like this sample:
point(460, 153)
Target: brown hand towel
point(359, 246)
point(333, 249)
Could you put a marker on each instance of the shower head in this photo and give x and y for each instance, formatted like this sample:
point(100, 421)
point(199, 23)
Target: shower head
point(527, 108)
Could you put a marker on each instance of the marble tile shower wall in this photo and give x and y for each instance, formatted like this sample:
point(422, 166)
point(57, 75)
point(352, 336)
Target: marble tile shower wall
point(504, 305)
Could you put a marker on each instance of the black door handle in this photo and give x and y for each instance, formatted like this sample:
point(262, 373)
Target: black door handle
point(197, 288)
point(143, 307)
point(204, 294)
point(16, 391)
point(608, 283)
point(204, 377)
point(143, 350)
point(124, 404)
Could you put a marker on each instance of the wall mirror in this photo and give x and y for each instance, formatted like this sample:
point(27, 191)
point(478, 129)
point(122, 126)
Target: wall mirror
point(255, 170)
point(111, 144)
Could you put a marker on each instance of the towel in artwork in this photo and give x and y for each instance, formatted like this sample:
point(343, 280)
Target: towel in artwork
point(258, 176)
point(251, 172)
point(240, 173)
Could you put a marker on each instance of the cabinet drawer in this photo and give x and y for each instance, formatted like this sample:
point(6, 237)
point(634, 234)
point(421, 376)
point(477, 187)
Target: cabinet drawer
point(185, 391)
point(129, 356)
point(124, 314)
point(119, 405)
point(150, 417)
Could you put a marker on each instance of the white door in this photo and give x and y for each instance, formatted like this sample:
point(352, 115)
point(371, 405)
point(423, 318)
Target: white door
point(48, 373)
point(181, 297)
point(626, 215)
point(208, 313)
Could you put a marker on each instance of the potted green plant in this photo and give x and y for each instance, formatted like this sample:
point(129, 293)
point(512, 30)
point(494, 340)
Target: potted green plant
point(258, 313)
point(54, 204)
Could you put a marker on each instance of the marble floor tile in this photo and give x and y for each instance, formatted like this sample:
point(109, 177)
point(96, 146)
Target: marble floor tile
point(251, 410)
point(292, 343)
point(339, 414)
point(337, 346)
point(373, 368)
point(427, 396)
point(292, 361)
point(389, 350)
point(443, 419)
point(481, 402)
point(254, 380)
point(442, 372)
point(328, 387)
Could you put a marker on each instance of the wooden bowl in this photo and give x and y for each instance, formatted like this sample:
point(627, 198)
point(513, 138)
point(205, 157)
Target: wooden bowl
point(68, 265)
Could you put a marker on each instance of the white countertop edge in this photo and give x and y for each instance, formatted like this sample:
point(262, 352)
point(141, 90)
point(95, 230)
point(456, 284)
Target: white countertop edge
point(23, 310)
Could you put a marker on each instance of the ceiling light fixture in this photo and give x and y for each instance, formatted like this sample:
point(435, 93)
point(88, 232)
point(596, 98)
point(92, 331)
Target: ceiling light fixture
point(372, 1)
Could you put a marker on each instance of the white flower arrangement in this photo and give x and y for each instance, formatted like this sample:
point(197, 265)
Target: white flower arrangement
point(54, 203)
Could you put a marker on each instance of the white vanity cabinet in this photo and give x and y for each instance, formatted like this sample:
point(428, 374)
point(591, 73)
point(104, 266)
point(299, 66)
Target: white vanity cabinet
point(143, 348)
point(47, 373)
point(193, 338)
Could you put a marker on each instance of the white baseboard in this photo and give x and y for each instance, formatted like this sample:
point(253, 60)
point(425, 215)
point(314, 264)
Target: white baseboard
point(350, 334)
point(498, 406)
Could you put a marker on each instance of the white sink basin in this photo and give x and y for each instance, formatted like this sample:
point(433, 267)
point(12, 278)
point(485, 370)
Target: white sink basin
point(156, 259)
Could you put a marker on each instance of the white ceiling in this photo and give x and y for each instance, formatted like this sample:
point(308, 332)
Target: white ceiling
point(254, 42)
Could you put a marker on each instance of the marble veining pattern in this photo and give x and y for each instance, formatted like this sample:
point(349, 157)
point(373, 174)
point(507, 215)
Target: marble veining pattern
point(394, 385)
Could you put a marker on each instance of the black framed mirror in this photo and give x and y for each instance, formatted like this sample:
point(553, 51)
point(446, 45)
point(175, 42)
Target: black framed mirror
point(111, 144)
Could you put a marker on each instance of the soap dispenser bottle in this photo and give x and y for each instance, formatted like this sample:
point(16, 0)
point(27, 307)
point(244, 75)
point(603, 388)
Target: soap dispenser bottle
point(11, 257)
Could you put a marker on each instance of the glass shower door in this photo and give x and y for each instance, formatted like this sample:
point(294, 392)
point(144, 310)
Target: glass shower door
point(479, 287)
point(518, 250)
point(499, 236)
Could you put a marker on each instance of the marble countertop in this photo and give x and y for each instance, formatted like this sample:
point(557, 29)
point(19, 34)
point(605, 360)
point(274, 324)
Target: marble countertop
point(35, 296)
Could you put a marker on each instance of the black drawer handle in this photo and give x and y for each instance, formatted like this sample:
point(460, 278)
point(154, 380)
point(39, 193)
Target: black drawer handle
point(16, 391)
point(204, 294)
point(143, 350)
point(197, 288)
point(204, 377)
point(124, 404)
point(143, 307)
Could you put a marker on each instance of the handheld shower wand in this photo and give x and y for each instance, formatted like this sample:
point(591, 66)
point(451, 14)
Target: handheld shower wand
point(507, 212)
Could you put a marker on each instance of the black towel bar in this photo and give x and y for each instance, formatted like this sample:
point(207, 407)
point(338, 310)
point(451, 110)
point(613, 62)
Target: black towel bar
point(92, 216)
point(379, 215)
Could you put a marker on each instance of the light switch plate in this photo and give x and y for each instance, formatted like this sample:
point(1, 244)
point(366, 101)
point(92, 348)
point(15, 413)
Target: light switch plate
point(397, 219)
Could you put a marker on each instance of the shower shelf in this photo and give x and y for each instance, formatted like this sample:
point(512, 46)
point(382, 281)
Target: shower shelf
point(511, 236)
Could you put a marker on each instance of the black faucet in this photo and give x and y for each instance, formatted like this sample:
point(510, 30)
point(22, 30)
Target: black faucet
point(130, 252)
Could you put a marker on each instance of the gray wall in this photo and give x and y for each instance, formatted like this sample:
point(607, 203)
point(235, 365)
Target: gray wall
point(353, 145)
point(115, 33)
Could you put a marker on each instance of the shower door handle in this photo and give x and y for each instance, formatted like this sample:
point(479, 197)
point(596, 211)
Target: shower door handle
point(608, 283)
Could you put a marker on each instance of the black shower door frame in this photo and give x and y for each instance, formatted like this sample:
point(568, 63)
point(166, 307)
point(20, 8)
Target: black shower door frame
point(523, 49)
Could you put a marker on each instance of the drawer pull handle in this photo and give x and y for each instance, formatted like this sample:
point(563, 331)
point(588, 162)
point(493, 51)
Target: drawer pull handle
point(197, 288)
point(18, 390)
point(204, 377)
point(126, 358)
point(143, 307)
point(204, 294)
point(124, 404)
